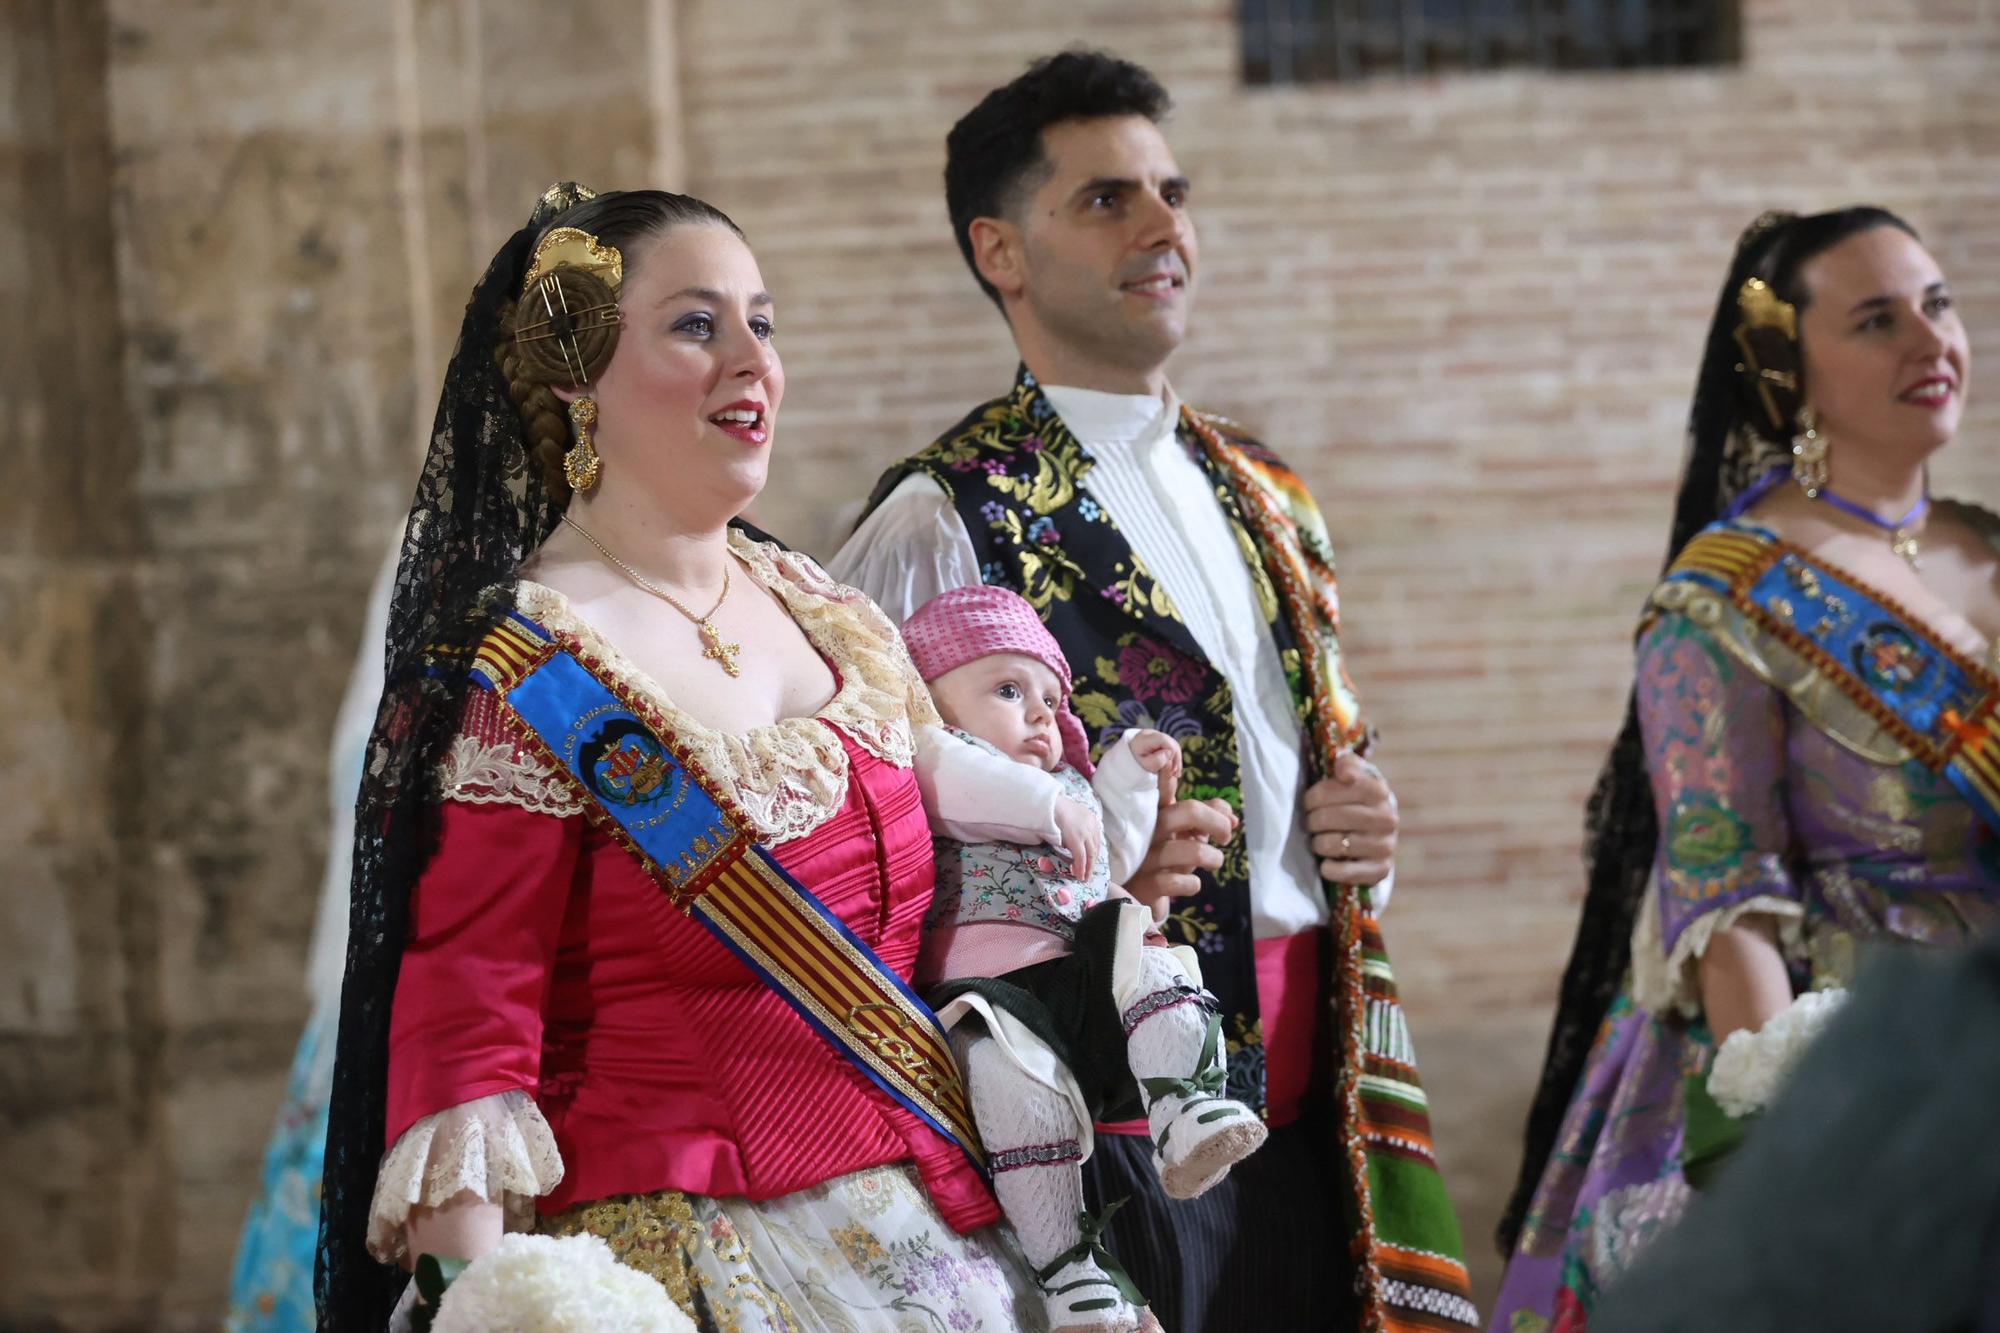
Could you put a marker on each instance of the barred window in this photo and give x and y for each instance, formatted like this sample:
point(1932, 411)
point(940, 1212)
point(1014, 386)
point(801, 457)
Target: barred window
point(1313, 41)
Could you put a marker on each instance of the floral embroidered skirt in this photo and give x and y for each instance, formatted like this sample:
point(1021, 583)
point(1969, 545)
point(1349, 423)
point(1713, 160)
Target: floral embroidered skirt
point(862, 1252)
point(1614, 1180)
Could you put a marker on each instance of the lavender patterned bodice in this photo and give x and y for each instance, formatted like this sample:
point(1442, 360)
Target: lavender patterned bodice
point(1758, 800)
point(1013, 883)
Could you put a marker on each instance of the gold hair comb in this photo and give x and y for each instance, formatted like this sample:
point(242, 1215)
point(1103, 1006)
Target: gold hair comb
point(572, 247)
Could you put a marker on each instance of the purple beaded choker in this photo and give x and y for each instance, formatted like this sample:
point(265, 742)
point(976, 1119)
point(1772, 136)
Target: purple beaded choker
point(1902, 532)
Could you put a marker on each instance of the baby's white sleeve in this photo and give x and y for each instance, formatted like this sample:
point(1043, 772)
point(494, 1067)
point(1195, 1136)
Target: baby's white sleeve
point(974, 795)
point(1131, 800)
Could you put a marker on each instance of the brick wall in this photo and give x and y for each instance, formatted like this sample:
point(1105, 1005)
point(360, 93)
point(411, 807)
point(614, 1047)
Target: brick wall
point(1467, 309)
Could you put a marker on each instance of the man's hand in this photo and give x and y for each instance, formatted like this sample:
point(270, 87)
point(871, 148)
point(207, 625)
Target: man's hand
point(1082, 833)
point(1189, 837)
point(1352, 819)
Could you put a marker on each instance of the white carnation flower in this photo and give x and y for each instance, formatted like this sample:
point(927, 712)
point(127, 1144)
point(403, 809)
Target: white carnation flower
point(550, 1284)
point(1750, 1067)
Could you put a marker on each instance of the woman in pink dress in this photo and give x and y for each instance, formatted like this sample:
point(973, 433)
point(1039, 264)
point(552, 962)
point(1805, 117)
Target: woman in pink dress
point(550, 1020)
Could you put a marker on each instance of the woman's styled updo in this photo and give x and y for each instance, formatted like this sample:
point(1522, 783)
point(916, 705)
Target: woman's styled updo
point(623, 220)
point(1775, 251)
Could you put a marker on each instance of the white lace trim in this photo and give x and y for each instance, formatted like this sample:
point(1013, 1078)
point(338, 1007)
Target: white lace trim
point(496, 1147)
point(1664, 983)
point(791, 776)
point(480, 772)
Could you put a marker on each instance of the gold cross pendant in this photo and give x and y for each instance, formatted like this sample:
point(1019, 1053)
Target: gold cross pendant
point(724, 653)
point(1905, 545)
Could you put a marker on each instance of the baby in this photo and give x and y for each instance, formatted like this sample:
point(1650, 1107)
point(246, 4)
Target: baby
point(1029, 936)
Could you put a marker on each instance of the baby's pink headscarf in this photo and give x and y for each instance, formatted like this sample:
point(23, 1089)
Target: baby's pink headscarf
point(966, 624)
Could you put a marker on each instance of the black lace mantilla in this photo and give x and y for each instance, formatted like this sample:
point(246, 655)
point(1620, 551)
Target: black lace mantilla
point(1726, 455)
point(480, 509)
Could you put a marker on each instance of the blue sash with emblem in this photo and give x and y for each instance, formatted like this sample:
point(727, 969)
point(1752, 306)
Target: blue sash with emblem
point(1935, 702)
point(690, 839)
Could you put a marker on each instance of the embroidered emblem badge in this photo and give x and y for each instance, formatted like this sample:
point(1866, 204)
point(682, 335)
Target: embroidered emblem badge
point(1889, 658)
point(625, 765)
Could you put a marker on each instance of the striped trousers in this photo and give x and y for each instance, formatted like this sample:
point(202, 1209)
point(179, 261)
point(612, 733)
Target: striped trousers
point(1265, 1250)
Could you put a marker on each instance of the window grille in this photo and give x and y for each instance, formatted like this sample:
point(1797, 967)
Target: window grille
point(1314, 41)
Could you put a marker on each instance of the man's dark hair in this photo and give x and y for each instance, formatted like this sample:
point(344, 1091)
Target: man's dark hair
point(994, 155)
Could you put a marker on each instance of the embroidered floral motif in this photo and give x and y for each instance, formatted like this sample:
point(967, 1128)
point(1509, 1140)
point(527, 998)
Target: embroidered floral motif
point(865, 1250)
point(1705, 837)
point(858, 1244)
point(661, 1236)
point(1046, 572)
point(1832, 612)
point(1180, 723)
point(486, 764)
point(1194, 924)
point(501, 773)
point(1245, 1047)
point(1147, 707)
point(1153, 671)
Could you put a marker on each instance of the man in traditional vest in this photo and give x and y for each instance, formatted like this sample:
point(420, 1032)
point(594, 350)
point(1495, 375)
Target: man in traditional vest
point(1188, 577)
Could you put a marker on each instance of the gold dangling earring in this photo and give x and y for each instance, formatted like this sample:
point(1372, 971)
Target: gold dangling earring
point(580, 459)
point(1809, 450)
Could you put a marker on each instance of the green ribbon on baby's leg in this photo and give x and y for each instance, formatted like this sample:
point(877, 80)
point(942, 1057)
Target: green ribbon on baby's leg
point(1209, 1079)
point(1092, 1247)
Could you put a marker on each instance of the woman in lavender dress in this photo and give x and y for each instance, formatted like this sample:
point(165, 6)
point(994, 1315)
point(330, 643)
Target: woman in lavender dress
point(1809, 763)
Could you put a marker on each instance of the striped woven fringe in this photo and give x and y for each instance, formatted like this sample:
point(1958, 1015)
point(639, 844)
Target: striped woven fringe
point(1408, 1251)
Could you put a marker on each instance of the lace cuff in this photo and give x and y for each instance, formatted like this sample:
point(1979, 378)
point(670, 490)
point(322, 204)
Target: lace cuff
point(1664, 983)
point(487, 765)
point(498, 1147)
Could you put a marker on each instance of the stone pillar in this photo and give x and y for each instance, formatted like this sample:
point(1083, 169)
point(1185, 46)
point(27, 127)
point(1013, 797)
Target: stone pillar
point(236, 240)
point(81, 1022)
